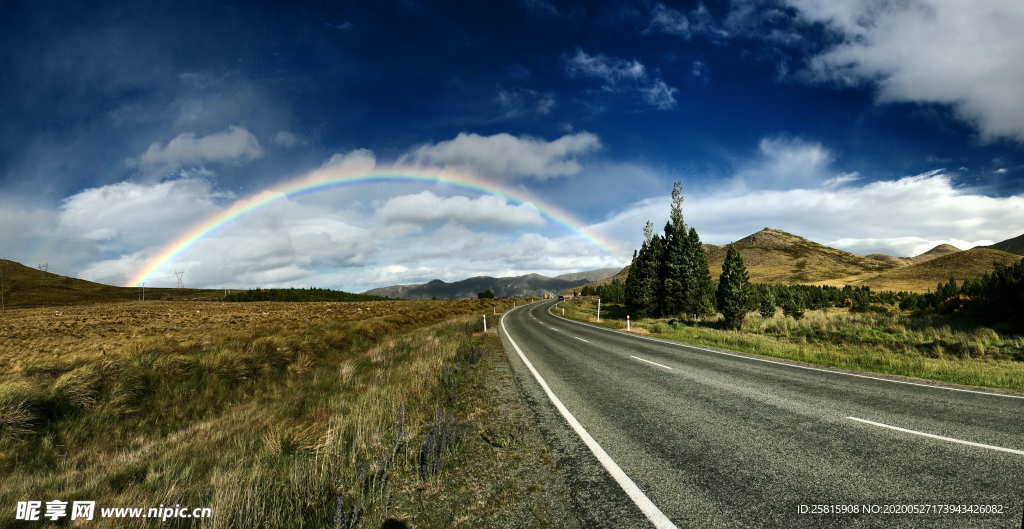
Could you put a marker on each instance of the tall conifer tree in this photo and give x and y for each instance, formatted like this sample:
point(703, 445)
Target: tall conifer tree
point(733, 295)
point(699, 297)
point(674, 266)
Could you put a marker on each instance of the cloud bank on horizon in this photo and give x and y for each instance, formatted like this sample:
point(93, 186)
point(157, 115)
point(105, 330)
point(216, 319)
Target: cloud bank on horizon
point(846, 123)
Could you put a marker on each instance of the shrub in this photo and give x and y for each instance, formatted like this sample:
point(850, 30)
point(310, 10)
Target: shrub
point(18, 408)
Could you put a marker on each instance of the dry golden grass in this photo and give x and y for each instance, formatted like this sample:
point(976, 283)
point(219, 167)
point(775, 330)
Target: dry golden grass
point(274, 414)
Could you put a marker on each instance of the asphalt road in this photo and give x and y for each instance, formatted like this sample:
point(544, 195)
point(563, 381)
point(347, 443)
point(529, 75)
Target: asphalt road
point(713, 440)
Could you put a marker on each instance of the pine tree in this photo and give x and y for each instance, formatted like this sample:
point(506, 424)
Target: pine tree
point(649, 287)
point(733, 295)
point(640, 284)
point(673, 271)
point(699, 290)
point(633, 280)
point(793, 306)
point(767, 308)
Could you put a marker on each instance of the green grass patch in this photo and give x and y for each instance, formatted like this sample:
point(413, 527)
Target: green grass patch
point(879, 343)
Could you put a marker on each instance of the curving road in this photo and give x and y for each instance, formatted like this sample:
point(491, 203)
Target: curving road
point(661, 434)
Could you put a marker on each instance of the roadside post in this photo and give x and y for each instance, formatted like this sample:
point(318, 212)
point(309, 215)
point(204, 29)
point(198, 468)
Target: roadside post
point(485, 323)
point(627, 322)
point(598, 309)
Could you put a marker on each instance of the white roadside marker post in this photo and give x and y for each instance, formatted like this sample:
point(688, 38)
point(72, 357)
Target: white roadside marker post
point(627, 322)
point(485, 323)
point(563, 311)
point(598, 309)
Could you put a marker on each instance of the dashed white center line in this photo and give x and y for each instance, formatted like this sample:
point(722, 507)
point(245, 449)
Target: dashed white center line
point(649, 362)
point(581, 339)
point(939, 437)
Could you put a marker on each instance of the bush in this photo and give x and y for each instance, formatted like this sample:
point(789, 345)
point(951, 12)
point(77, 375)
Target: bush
point(659, 328)
point(793, 307)
point(19, 403)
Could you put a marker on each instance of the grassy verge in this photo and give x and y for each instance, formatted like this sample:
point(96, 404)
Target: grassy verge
point(293, 421)
point(889, 344)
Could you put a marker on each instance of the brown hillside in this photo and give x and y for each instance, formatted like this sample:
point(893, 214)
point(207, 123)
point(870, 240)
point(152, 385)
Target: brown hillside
point(28, 287)
point(922, 277)
point(1014, 245)
point(934, 253)
point(774, 256)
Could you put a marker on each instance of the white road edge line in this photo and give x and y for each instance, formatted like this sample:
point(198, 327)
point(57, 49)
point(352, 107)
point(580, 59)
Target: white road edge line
point(651, 511)
point(581, 339)
point(649, 362)
point(939, 437)
point(745, 357)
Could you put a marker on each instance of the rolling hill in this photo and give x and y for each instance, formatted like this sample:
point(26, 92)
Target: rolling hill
point(590, 275)
point(939, 251)
point(774, 256)
point(923, 276)
point(28, 287)
point(1014, 245)
point(778, 257)
point(530, 285)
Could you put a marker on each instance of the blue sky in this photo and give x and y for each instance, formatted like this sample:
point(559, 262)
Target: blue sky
point(866, 125)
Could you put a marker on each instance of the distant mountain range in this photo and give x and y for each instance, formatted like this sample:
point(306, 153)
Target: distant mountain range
point(771, 256)
point(530, 285)
point(774, 256)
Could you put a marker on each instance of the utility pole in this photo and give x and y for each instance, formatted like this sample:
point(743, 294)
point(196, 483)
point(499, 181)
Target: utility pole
point(42, 272)
point(142, 292)
point(179, 274)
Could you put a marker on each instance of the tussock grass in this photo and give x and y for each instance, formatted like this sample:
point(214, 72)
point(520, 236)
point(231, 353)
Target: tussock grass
point(892, 343)
point(307, 415)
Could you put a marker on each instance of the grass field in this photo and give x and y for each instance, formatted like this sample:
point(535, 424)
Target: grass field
point(272, 414)
point(891, 344)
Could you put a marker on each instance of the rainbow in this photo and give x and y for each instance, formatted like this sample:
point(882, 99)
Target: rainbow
point(328, 178)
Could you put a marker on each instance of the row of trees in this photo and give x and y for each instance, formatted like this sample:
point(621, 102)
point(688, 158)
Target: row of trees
point(669, 274)
point(670, 277)
point(613, 292)
point(298, 294)
point(995, 298)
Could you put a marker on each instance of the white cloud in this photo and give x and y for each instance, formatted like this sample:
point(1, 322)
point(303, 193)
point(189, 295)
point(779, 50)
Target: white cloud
point(668, 20)
point(665, 19)
point(426, 207)
point(791, 185)
point(508, 157)
point(235, 144)
point(786, 163)
point(660, 95)
point(622, 75)
point(518, 102)
point(930, 51)
point(286, 138)
point(357, 160)
point(611, 70)
point(129, 214)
